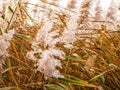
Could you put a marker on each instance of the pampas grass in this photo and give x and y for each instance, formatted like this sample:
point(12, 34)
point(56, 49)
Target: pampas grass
point(49, 47)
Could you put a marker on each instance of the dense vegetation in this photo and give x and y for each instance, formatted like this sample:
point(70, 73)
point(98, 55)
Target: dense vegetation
point(47, 47)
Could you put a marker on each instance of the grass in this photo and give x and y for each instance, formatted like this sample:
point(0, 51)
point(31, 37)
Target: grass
point(93, 63)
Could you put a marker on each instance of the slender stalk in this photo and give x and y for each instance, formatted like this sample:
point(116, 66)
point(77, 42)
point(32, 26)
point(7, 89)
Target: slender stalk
point(13, 13)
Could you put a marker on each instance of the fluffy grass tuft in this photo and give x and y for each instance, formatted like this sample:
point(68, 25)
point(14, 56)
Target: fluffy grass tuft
point(56, 48)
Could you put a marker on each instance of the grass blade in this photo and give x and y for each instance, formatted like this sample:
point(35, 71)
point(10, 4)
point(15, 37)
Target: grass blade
point(10, 88)
point(80, 82)
point(22, 36)
point(96, 77)
point(54, 86)
point(75, 59)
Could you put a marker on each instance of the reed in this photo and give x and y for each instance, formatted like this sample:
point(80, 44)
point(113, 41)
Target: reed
point(56, 48)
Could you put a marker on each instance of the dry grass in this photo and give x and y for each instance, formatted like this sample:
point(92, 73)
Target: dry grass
point(95, 57)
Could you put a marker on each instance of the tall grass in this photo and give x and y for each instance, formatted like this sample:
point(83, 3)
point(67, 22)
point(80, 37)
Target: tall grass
point(56, 48)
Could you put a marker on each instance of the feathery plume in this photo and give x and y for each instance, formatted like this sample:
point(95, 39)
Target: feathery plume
point(98, 11)
point(69, 33)
point(71, 4)
point(85, 14)
point(48, 63)
point(4, 44)
point(112, 11)
point(44, 46)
